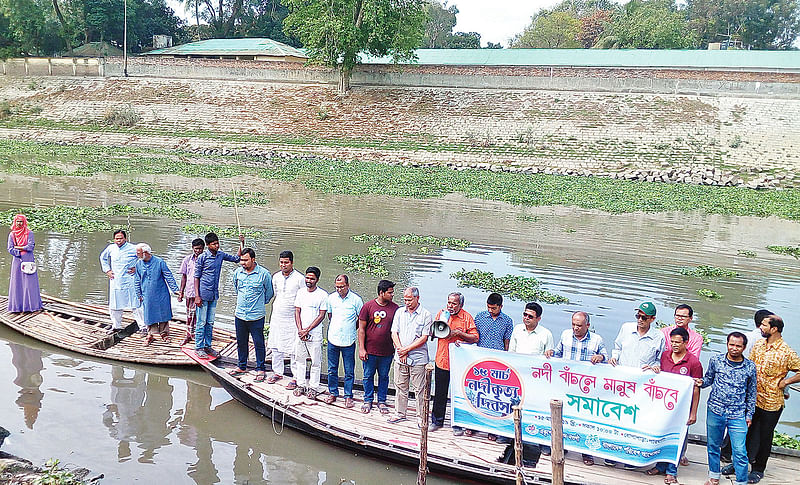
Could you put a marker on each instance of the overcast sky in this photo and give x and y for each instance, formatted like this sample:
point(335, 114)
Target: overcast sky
point(496, 20)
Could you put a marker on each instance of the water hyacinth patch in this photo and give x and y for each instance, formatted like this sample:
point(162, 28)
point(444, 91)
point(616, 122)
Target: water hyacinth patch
point(158, 195)
point(373, 263)
point(746, 253)
point(70, 219)
point(707, 271)
point(416, 240)
point(790, 250)
point(709, 293)
point(231, 232)
point(525, 288)
point(241, 199)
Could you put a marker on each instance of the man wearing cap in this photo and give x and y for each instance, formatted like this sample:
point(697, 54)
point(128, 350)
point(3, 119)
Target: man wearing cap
point(638, 344)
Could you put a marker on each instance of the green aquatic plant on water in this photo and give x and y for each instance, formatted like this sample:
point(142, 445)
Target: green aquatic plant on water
point(526, 288)
point(709, 293)
point(69, 219)
point(746, 253)
point(785, 441)
point(373, 263)
point(790, 250)
point(415, 240)
point(242, 199)
point(52, 474)
point(706, 271)
point(155, 194)
point(231, 232)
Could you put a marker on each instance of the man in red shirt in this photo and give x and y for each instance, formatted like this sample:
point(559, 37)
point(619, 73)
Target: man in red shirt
point(462, 329)
point(678, 360)
point(375, 346)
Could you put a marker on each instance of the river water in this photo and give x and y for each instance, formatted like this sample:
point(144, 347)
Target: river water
point(148, 424)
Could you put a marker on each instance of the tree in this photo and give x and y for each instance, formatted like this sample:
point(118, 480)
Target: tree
point(334, 32)
point(464, 40)
point(555, 30)
point(593, 26)
point(761, 24)
point(441, 21)
point(651, 24)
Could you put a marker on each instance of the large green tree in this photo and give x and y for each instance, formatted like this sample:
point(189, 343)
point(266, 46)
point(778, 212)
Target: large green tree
point(650, 24)
point(552, 30)
point(760, 24)
point(335, 32)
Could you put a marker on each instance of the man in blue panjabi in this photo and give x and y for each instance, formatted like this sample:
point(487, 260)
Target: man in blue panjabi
point(154, 281)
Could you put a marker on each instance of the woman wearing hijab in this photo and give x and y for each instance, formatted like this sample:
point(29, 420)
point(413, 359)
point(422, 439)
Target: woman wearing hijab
point(23, 291)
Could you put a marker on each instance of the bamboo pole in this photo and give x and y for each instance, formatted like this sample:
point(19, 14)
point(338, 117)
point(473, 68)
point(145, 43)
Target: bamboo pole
point(518, 443)
point(422, 410)
point(236, 211)
point(557, 441)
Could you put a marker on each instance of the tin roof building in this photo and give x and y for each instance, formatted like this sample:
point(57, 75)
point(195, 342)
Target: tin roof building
point(254, 49)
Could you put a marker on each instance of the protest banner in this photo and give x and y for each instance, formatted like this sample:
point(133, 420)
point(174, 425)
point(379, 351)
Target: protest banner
point(620, 413)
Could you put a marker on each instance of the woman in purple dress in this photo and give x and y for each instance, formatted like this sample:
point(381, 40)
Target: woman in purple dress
point(23, 291)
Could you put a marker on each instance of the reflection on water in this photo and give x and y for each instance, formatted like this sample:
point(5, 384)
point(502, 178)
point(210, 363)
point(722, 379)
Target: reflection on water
point(28, 364)
point(606, 264)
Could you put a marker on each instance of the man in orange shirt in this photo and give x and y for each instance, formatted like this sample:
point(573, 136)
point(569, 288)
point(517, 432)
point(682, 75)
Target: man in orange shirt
point(462, 329)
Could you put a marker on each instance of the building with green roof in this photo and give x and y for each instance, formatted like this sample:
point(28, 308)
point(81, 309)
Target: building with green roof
point(253, 49)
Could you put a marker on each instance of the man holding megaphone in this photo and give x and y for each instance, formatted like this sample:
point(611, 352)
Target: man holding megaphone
point(451, 326)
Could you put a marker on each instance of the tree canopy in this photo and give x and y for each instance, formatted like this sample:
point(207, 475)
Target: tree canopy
point(334, 32)
point(439, 29)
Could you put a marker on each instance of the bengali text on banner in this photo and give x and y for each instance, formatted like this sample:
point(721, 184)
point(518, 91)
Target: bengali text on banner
point(619, 413)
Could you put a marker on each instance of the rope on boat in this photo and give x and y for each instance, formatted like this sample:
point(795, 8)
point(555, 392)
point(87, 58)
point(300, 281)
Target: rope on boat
point(283, 416)
point(521, 473)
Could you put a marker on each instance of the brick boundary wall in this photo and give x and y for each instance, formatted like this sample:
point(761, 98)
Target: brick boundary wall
point(710, 82)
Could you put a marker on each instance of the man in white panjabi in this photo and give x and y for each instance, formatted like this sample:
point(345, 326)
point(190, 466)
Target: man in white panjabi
point(118, 262)
point(282, 329)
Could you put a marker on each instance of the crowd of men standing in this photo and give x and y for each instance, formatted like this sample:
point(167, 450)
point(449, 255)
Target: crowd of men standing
point(747, 382)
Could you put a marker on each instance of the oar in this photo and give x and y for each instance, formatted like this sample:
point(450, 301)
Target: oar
point(63, 325)
point(236, 211)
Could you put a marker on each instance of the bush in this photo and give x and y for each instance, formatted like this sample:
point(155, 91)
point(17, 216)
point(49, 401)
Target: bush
point(121, 116)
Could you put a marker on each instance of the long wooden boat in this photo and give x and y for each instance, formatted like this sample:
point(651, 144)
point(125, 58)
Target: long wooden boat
point(84, 328)
point(473, 458)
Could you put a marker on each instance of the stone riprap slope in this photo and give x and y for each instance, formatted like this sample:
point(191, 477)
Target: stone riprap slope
point(721, 140)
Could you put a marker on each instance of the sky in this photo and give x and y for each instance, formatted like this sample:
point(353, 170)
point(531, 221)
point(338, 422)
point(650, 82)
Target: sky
point(497, 21)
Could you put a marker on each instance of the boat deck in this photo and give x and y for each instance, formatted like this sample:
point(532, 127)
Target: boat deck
point(476, 455)
point(84, 329)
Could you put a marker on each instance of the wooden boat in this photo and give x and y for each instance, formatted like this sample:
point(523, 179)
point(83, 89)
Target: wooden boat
point(84, 328)
point(473, 458)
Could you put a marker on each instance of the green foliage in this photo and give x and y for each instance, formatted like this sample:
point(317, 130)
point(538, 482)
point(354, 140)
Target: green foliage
point(515, 287)
point(69, 219)
point(708, 293)
point(651, 24)
point(415, 240)
point(121, 116)
point(758, 24)
point(334, 32)
point(158, 195)
point(231, 232)
point(438, 32)
point(242, 199)
point(593, 27)
point(790, 250)
point(53, 475)
point(373, 263)
point(555, 30)
point(785, 441)
point(6, 111)
point(746, 253)
point(706, 271)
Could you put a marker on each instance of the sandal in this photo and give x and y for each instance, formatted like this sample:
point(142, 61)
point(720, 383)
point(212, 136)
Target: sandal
point(236, 372)
point(260, 376)
point(298, 391)
point(383, 408)
point(669, 480)
point(365, 408)
point(684, 461)
point(149, 340)
point(653, 472)
point(274, 378)
point(329, 399)
point(291, 386)
point(348, 402)
point(311, 394)
point(468, 432)
point(712, 481)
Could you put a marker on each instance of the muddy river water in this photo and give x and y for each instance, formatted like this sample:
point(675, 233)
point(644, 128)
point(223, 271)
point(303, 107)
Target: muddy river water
point(161, 425)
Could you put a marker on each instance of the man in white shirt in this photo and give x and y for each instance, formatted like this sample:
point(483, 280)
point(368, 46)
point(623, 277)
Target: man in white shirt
point(411, 327)
point(310, 306)
point(638, 343)
point(529, 337)
point(343, 309)
point(282, 329)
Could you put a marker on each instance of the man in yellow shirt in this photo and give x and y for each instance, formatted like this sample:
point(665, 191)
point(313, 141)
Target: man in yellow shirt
point(773, 359)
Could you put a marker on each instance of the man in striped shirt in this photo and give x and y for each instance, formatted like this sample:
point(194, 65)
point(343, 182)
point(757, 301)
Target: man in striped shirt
point(580, 344)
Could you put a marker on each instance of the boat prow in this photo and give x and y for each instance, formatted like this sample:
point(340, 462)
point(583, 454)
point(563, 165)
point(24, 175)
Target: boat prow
point(84, 329)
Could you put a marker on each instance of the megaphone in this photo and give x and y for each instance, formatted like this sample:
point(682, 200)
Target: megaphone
point(440, 329)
